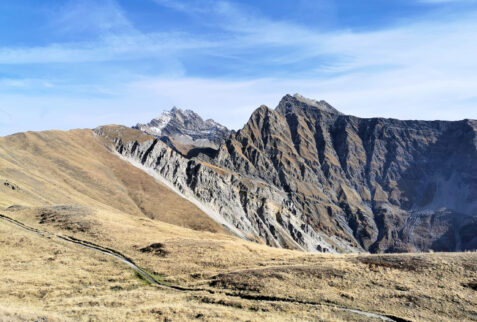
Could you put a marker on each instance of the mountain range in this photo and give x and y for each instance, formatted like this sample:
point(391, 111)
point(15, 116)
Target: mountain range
point(306, 176)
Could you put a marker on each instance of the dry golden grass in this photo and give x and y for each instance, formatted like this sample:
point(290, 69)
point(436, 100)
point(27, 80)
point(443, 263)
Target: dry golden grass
point(49, 278)
point(55, 281)
point(411, 286)
point(74, 167)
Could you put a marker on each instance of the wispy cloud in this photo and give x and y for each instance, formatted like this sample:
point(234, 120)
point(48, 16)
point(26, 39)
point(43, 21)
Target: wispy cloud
point(110, 36)
point(110, 48)
point(434, 43)
point(21, 84)
point(96, 18)
point(430, 43)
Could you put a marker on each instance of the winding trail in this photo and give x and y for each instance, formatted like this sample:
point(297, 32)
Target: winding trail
point(104, 250)
point(148, 277)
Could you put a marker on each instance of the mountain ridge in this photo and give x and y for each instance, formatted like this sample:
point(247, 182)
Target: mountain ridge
point(358, 180)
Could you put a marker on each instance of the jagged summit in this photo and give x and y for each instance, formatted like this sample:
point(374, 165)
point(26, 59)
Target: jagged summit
point(288, 103)
point(186, 127)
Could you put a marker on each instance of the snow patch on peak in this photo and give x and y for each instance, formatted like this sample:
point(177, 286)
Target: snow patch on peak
point(179, 124)
point(157, 124)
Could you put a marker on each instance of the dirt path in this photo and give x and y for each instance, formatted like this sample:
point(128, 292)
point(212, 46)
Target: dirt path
point(148, 277)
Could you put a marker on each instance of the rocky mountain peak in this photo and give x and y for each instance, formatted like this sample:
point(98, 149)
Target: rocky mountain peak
point(260, 112)
point(297, 103)
point(186, 127)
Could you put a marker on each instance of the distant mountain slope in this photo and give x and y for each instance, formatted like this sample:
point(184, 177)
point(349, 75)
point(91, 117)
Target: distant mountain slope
point(185, 128)
point(306, 176)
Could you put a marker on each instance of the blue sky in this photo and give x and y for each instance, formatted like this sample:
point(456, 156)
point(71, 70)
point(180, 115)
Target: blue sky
point(83, 63)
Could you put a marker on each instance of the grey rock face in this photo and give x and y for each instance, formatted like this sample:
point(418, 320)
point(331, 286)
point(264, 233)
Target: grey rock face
point(306, 176)
point(186, 128)
point(249, 207)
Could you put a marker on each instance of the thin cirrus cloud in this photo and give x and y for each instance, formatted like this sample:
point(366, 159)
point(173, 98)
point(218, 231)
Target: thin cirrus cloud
point(86, 17)
point(420, 69)
point(109, 48)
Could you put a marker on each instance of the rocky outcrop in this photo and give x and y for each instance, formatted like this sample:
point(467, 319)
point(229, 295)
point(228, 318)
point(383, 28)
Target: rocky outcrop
point(306, 176)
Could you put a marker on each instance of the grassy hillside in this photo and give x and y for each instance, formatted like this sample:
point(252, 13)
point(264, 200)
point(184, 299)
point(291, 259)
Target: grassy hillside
point(55, 167)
